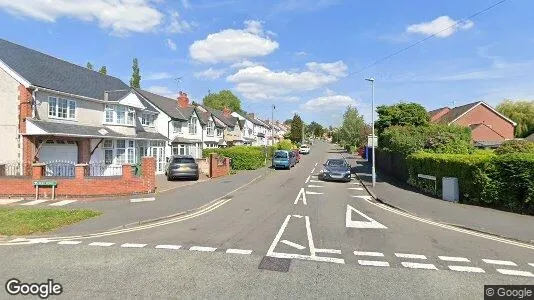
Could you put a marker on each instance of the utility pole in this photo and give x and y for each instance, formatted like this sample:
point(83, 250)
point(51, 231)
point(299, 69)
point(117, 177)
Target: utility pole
point(373, 171)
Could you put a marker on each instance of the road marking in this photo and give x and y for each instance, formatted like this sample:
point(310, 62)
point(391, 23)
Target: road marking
point(315, 186)
point(302, 195)
point(355, 183)
point(317, 181)
point(297, 216)
point(364, 253)
point(69, 242)
point(137, 200)
point(413, 265)
point(360, 224)
point(515, 272)
point(63, 202)
point(313, 170)
point(356, 189)
point(499, 262)
point(368, 198)
point(294, 245)
point(34, 202)
point(334, 251)
point(101, 244)
point(531, 264)
point(376, 263)
point(170, 247)
point(308, 179)
point(408, 255)
point(9, 201)
point(467, 269)
point(238, 251)
point(316, 164)
point(202, 249)
point(129, 245)
point(313, 193)
point(453, 258)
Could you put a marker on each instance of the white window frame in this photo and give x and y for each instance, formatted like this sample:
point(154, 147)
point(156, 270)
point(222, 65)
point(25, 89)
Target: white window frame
point(55, 113)
point(193, 124)
point(147, 119)
point(210, 128)
point(125, 114)
point(177, 126)
point(219, 132)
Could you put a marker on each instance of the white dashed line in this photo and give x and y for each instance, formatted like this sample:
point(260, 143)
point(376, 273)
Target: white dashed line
point(334, 251)
point(466, 269)
point(129, 245)
point(294, 245)
point(297, 216)
point(313, 170)
point(355, 183)
point(407, 255)
point(101, 244)
point(531, 264)
point(515, 272)
point(202, 249)
point(413, 265)
point(63, 202)
point(313, 193)
point(315, 186)
point(376, 263)
point(34, 202)
point(316, 164)
point(142, 200)
point(356, 189)
point(238, 251)
point(317, 181)
point(170, 247)
point(366, 253)
point(453, 258)
point(308, 179)
point(69, 242)
point(499, 262)
point(9, 201)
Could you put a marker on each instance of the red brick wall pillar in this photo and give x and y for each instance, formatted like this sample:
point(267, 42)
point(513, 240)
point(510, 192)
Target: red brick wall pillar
point(84, 151)
point(79, 171)
point(213, 164)
point(28, 145)
point(29, 149)
point(148, 168)
point(38, 171)
point(127, 172)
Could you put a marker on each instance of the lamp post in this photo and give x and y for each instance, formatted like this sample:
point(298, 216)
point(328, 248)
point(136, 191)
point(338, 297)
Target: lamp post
point(372, 80)
point(272, 124)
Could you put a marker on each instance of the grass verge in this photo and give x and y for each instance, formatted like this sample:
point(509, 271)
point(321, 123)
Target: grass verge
point(24, 221)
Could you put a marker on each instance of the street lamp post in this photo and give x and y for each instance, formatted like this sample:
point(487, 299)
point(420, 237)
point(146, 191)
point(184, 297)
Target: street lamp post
point(272, 125)
point(373, 171)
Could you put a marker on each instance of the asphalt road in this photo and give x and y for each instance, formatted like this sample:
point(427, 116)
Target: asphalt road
point(268, 240)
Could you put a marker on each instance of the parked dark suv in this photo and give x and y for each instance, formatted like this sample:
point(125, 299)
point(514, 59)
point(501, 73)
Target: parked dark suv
point(180, 166)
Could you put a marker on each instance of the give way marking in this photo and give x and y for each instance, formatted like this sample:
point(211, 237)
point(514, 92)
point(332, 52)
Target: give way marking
point(370, 223)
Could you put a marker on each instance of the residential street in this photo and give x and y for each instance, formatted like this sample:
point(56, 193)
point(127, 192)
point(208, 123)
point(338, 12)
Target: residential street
point(316, 239)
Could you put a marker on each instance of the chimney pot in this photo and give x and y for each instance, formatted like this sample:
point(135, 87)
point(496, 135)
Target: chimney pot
point(183, 101)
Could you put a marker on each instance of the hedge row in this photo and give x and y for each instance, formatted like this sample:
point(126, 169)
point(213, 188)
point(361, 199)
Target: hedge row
point(499, 181)
point(243, 157)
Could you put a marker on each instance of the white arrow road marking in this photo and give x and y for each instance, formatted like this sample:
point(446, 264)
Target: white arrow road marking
point(315, 186)
point(202, 249)
point(376, 263)
point(499, 262)
point(368, 198)
point(515, 272)
point(128, 245)
point(360, 224)
point(408, 255)
point(294, 245)
point(101, 244)
point(313, 193)
point(9, 201)
point(34, 202)
point(142, 200)
point(365, 253)
point(453, 258)
point(356, 189)
point(238, 251)
point(467, 269)
point(413, 265)
point(170, 247)
point(302, 195)
point(63, 202)
point(69, 242)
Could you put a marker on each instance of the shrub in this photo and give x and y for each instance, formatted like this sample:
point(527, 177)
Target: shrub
point(285, 145)
point(242, 157)
point(515, 146)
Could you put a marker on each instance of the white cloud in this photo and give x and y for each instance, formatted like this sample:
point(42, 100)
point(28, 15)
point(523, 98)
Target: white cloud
point(177, 25)
point(210, 74)
point(244, 64)
point(442, 27)
point(328, 103)
point(170, 44)
point(158, 76)
point(231, 45)
point(161, 90)
point(120, 16)
point(301, 53)
point(259, 83)
point(186, 4)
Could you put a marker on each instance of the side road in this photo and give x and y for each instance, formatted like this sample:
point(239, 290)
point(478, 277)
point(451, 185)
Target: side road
point(404, 197)
point(123, 212)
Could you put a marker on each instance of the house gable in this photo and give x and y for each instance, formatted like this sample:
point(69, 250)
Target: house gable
point(485, 105)
point(483, 114)
point(485, 133)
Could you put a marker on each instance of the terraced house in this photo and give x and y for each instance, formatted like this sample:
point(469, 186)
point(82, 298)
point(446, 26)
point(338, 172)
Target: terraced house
point(61, 114)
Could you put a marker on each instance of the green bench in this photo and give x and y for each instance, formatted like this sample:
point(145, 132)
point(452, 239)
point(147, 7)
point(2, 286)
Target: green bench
point(45, 183)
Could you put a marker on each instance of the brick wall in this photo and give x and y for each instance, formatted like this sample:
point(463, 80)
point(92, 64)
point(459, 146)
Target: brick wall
point(84, 186)
point(219, 166)
point(483, 115)
point(25, 111)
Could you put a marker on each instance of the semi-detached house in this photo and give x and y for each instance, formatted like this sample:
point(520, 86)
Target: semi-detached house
point(62, 114)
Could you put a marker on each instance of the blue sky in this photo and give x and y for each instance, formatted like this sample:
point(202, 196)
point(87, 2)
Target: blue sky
point(305, 56)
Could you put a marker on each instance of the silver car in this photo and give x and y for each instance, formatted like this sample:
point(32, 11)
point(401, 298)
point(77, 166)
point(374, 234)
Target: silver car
point(180, 166)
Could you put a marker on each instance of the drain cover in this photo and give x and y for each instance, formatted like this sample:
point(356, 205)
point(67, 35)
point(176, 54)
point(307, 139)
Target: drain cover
point(275, 264)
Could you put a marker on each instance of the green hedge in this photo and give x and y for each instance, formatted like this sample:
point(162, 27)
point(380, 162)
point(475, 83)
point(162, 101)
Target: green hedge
point(515, 146)
point(499, 181)
point(243, 157)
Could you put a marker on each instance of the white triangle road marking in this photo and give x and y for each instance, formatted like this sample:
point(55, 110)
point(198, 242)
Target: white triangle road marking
point(294, 245)
point(360, 224)
point(302, 195)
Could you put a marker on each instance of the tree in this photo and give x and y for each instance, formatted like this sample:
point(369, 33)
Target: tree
point(295, 135)
point(103, 70)
point(221, 100)
point(315, 129)
point(288, 121)
point(89, 66)
point(521, 112)
point(401, 114)
point(352, 132)
point(135, 81)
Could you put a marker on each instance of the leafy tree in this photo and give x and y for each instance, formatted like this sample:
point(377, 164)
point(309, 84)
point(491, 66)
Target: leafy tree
point(515, 146)
point(222, 99)
point(135, 81)
point(297, 127)
point(351, 131)
point(89, 66)
point(288, 121)
point(521, 112)
point(401, 114)
point(315, 129)
point(103, 70)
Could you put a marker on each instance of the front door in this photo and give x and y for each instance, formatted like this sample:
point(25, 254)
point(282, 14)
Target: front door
point(159, 154)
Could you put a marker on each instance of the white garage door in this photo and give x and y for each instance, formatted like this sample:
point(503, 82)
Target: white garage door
point(60, 158)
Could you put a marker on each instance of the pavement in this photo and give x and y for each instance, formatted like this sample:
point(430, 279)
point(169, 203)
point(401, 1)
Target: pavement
point(483, 219)
point(164, 185)
point(286, 235)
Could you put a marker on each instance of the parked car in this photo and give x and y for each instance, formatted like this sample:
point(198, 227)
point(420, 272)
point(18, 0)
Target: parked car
point(283, 159)
point(297, 155)
point(304, 149)
point(337, 169)
point(182, 166)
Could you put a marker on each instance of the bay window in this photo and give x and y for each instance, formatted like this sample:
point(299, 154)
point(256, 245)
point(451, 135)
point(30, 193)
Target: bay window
point(119, 114)
point(119, 152)
point(61, 108)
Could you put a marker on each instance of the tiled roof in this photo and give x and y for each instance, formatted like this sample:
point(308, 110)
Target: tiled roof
point(167, 105)
point(456, 112)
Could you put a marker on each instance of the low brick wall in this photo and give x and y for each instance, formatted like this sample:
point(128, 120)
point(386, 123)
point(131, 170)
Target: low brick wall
point(84, 186)
point(219, 166)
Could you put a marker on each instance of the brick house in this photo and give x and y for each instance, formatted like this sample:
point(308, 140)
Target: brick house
point(488, 126)
point(56, 112)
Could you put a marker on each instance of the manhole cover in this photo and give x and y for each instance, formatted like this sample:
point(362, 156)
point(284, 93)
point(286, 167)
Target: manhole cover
point(275, 264)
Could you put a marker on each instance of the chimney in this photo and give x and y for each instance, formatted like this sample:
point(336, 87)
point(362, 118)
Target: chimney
point(251, 116)
point(226, 112)
point(183, 101)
